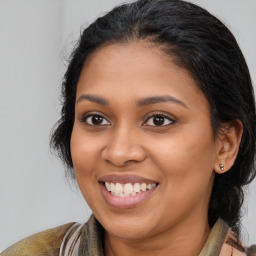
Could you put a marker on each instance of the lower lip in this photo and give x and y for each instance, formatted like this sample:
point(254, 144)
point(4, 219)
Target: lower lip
point(125, 202)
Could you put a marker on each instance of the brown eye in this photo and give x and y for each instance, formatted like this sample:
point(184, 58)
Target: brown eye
point(95, 120)
point(159, 120)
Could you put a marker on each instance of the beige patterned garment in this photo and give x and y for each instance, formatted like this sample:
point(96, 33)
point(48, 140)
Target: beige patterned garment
point(46, 243)
point(74, 239)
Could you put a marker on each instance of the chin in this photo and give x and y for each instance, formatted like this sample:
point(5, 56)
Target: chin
point(128, 232)
point(123, 226)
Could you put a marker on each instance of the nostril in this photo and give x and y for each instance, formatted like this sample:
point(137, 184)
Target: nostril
point(124, 154)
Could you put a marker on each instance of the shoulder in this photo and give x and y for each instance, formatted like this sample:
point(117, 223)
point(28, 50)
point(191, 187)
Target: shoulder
point(223, 241)
point(47, 242)
point(251, 251)
point(236, 247)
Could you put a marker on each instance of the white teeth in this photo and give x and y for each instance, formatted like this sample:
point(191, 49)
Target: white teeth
point(136, 187)
point(112, 187)
point(108, 186)
point(143, 187)
point(126, 190)
point(119, 189)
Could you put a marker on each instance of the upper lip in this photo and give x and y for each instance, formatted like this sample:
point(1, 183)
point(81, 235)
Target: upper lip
point(125, 179)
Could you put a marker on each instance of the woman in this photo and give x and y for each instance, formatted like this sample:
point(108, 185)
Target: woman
point(158, 127)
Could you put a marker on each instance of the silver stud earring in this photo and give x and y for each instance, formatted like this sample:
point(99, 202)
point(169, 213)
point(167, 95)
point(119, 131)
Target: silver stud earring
point(221, 167)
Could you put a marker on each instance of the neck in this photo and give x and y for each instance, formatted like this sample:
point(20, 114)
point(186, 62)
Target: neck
point(187, 238)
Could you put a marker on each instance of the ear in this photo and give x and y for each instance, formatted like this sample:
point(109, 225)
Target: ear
point(227, 145)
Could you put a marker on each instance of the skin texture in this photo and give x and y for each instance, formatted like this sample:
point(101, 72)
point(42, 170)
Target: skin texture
point(181, 155)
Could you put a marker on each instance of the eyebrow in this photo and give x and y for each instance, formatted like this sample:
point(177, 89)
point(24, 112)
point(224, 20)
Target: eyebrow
point(141, 103)
point(159, 99)
point(93, 98)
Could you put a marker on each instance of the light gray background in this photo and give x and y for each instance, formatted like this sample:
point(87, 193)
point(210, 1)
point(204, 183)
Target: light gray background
point(35, 35)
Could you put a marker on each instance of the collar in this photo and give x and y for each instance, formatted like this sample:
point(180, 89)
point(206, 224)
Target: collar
point(221, 241)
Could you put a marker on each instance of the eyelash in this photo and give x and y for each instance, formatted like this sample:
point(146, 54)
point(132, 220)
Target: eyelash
point(161, 114)
point(86, 116)
point(84, 119)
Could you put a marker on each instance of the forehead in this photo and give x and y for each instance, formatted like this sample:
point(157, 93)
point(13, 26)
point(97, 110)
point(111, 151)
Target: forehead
point(122, 59)
point(136, 69)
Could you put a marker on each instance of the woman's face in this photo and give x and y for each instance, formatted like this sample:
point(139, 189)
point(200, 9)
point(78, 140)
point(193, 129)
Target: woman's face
point(141, 123)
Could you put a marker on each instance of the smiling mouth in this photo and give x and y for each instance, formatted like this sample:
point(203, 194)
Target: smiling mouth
point(128, 189)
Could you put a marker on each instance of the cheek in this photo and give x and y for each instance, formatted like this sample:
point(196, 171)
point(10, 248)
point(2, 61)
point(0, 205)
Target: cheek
point(85, 155)
point(192, 148)
point(186, 161)
point(84, 150)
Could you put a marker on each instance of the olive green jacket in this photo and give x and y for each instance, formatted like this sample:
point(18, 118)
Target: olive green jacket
point(73, 239)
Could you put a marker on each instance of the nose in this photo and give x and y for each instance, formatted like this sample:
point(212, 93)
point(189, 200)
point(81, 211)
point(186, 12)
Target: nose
point(123, 147)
